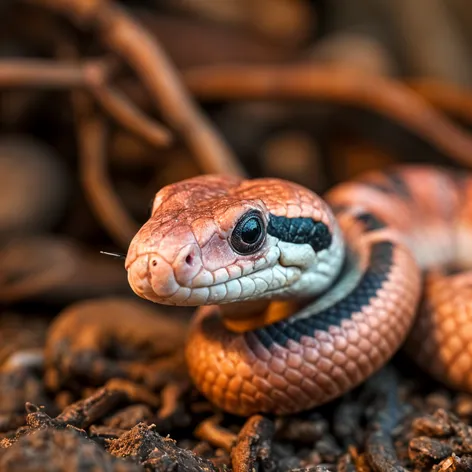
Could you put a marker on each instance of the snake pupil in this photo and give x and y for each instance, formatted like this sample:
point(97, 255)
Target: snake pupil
point(251, 231)
point(248, 234)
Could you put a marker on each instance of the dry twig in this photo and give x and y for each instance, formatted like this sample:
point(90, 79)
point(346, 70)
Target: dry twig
point(452, 99)
point(40, 73)
point(92, 75)
point(124, 111)
point(92, 137)
point(122, 34)
point(211, 431)
point(254, 445)
point(337, 85)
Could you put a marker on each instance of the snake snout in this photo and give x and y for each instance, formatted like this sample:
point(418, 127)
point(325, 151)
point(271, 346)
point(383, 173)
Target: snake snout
point(188, 264)
point(152, 277)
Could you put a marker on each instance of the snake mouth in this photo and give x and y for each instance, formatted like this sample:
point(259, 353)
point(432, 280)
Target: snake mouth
point(165, 289)
point(139, 277)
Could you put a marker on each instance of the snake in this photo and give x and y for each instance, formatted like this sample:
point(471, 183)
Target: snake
point(300, 297)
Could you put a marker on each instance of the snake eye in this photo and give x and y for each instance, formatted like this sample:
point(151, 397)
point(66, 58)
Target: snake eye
point(248, 234)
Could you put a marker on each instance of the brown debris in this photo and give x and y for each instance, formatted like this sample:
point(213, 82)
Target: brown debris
point(81, 336)
point(301, 430)
point(448, 442)
point(173, 412)
point(435, 426)
point(253, 445)
point(379, 448)
point(19, 383)
point(60, 450)
point(21, 338)
point(463, 406)
point(130, 416)
point(144, 445)
point(85, 412)
point(210, 430)
point(426, 451)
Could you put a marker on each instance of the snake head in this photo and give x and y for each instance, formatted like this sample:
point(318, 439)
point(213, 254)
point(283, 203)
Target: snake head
point(219, 239)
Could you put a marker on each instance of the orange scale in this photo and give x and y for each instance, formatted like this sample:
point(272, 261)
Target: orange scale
point(260, 368)
point(340, 343)
point(244, 370)
point(277, 381)
point(262, 384)
point(247, 400)
point(352, 352)
point(324, 365)
point(294, 347)
point(365, 364)
point(209, 375)
point(341, 379)
point(226, 366)
point(339, 358)
point(352, 336)
point(235, 384)
point(364, 329)
point(311, 355)
point(248, 388)
point(352, 370)
point(315, 392)
point(365, 345)
point(374, 337)
point(216, 394)
point(294, 360)
point(222, 381)
point(295, 391)
point(323, 337)
point(326, 383)
point(265, 399)
point(293, 376)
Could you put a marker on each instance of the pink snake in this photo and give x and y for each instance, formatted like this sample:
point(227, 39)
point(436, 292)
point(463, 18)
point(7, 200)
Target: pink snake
point(302, 298)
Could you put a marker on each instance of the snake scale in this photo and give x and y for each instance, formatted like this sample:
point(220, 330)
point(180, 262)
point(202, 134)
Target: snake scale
point(301, 297)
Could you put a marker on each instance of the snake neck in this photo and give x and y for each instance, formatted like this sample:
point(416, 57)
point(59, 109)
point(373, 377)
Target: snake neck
point(247, 316)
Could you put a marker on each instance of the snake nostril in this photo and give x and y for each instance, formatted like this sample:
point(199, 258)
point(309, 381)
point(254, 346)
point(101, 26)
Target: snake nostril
point(154, 262)
point(189, 259)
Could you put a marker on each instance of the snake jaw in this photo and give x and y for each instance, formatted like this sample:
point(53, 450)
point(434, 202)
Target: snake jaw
point(153, 278)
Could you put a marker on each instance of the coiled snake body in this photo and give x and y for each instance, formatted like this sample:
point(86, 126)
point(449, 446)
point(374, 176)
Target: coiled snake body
point(303, 298)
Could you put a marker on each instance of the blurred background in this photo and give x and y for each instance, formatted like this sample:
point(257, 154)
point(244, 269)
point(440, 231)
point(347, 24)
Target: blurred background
point(99, 109)
point(102, 103)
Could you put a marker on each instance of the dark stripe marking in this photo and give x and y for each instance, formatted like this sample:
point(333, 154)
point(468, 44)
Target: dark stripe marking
point(462, 181)
point(369, 220)
point(398, 185)
point(395, 185)
point(300, 231)
point(380, 265)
